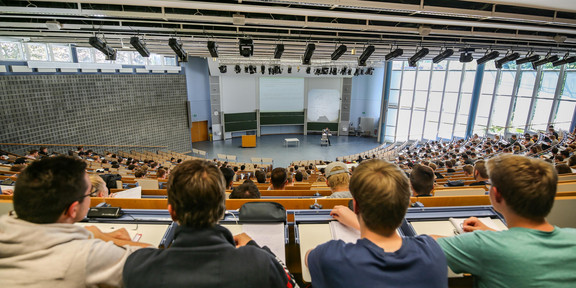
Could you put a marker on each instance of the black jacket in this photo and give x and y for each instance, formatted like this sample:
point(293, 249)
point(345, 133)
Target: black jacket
point(204, 258)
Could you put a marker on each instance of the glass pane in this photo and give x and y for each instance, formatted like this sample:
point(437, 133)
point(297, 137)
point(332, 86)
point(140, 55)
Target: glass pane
point(488, 82)
point(460, 130)
point(123, 57)
point(423, 80)
point(137, 59)
point(408, 80)
point(61, 53)
point(440, 66)
point(569, 89)
point(395, 79)
point(84, 55)
point(391, 117)
point(519, 115)
point(431, 127)
point(424, 64)
point(169, 61)
point(445, 130)
point(453, 81)
point(403, 125)
point(490, 65)
point(396, 65)
point(506, 83)
point(548, 84)
point(417, 125)
point(420, 99)
point(541, 114)
point(500, 114)
point(480, 126)
point(10, 51)
point(464, 107)
point(390, 131)
point(484, 104)
point(455, 65)
point(406, 98)
point(527, 83)
point(37, 51)
point(468, 83)
point(393, 98)
point(450, 101)
point(438, 81)
point(434, 102)
point(471, 65)
point(564, 115)
point(100, 57)
point(156, 60)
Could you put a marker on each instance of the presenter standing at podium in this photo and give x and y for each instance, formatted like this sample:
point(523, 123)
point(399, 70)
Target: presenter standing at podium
point(326, 131)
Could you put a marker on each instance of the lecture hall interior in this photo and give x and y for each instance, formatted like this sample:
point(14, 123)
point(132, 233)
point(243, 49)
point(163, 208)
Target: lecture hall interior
point(154, 79)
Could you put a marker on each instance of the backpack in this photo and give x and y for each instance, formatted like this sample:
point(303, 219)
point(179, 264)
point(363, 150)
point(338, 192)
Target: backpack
point(111, 179)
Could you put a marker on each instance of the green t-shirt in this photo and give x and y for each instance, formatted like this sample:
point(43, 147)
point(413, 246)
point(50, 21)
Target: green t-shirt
point(518, 257)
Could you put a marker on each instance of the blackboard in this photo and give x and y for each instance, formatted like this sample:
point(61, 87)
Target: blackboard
point(282, 118)
point(240, 121)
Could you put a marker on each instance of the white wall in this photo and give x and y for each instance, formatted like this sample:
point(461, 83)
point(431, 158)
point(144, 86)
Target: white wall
point(239, 93)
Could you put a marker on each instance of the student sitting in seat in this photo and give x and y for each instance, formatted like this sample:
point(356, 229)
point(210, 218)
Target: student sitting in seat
point(278, 179)
point(422, 180)
point(532, 253)
point(43, 247)
point(338, 179)
point(99, 188)
point(246, 190)
point(204, 254)
point(480, 174)
point(381, 257)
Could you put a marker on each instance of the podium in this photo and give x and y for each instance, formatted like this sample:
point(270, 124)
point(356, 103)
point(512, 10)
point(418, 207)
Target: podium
point(248, 141)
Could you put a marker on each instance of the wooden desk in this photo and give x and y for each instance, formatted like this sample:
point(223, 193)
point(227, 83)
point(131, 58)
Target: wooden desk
point(248, 141)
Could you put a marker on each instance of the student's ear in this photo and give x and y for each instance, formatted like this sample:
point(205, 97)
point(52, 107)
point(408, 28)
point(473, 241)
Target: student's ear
point(172, 213)
point(356, 207)
point(497, 196)
point(72, 210)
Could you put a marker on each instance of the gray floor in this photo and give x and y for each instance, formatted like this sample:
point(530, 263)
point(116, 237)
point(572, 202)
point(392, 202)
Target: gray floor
point(272, 146)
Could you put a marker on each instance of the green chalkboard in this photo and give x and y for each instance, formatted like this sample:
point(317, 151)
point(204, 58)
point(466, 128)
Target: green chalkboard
point(318, 126)
point(240, 121)
point(282, 118)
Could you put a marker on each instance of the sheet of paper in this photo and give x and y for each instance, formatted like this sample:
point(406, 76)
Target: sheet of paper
point(459, 222)
point(134, 193)
point(145, 233)
point(344, 233)
point(271, 235)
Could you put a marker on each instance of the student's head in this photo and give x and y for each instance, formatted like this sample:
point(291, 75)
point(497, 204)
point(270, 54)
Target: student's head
point(528, 185)
point(422, 179)
point(140, 173)
point(260, 176)
point(278, 178)
point(337, 175)
point(563, 169)
point(381, 193)
point(468, 170)
point(298, 176)
point(99, 188)
point(228, 176)
point(50, 188)
point(246, 190)
point(196, 194)
point(480, 169)
point(161, 173)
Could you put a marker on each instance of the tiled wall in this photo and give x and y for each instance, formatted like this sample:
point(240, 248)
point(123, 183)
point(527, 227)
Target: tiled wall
point(97, 109)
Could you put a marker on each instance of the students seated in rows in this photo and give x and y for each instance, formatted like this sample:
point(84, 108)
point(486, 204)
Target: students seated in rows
point(203, 254)
point(422, 181)
point(99, 188)
point(43, 247)
point(246, 190)
point(381, 258)
point(532, 253)
point(480, 174)
point(338, 179)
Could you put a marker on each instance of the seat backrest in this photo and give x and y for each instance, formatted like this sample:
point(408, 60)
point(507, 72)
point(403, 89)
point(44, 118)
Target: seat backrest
point(460, 192)
point(148, 183)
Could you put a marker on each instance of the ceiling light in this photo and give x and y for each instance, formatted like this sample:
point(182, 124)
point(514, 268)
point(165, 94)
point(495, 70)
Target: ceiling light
point(237, 69)
point(103, 47)
point(565, 60)
point(488, 56)
point(262, 69)
point(508, 58)
point(308, 54)
point(223, 68)
point(213, 49)
point(365, 55)
point(338, 52)
point(140, 46)
point(278, 51)
point(246, 47)
point(549, 58)
point(466, 55)
point(530, 57)
point(443, 55)
point(178, 49)
point(413, 61)
point(394, 54)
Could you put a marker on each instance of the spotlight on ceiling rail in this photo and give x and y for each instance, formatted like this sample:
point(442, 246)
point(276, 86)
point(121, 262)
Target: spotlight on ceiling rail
point(443, 55)
point(488, 56)
point(530, 57)
point(103, 47)
point(365, 55)
point(178, 49)
point(394, 54)
point(140, 46)
point(413, 61)
point(466, 55)
point(223, 68)
point(508, 58)
point(278, 51)
point(246, 47)
point(338, 52)
point(308, 53)
point(548, 59)
point(567, 59)
point(213, 49)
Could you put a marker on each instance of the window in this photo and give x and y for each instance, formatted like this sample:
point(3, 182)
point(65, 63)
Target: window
point(37, 51)
point(85, 55)
point(11, 51)
point(61, 53)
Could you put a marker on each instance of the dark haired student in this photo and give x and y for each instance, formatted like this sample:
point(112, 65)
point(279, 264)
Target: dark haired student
point(42, 247)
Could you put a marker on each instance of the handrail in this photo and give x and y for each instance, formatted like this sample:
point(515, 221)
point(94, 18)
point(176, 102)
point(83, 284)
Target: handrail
point(89, 145)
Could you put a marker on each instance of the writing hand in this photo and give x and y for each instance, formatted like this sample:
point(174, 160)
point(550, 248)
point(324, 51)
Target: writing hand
point(473, 224)
point(345, 216)
point(241, 239)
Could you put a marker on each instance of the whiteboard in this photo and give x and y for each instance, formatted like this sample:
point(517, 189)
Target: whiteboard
point(323, 105)
point(281, 94)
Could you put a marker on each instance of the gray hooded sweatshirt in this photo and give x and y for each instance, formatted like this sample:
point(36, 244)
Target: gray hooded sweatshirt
point(57, 255)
